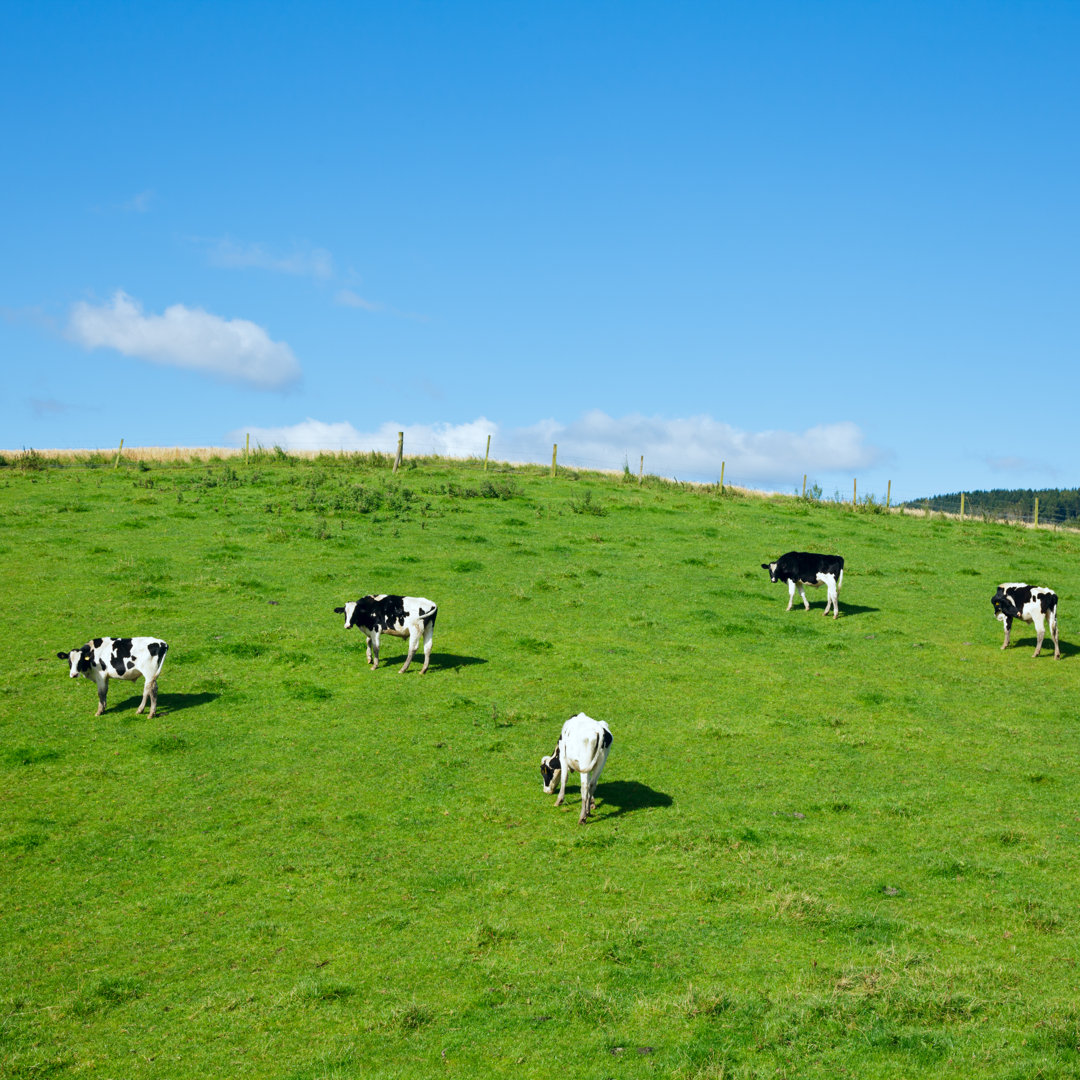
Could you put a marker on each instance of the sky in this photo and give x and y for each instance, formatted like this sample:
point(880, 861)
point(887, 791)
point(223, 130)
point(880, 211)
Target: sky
point(832, 239)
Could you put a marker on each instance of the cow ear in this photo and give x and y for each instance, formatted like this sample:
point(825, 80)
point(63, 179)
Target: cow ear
point(764, 566)
point(62, 656)
point(339, 611)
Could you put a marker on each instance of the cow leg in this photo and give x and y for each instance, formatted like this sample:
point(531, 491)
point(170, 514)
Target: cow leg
point(1053, 634)
point(373, 641)
point(145, 694)
point(1008, 627)
point(153, 698)
point(102, 693)
point(830, 584)
point(429, 635)
point(562, 775)
point(414, 640)
point(1040, 633)
point(585, 796)
point(802, 593)
point(790, 593)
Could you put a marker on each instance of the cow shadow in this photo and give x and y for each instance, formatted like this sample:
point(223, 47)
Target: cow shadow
point(450, 661)
point(852, 609)
point(1026, 642)
point(626, 796)
point(166, 703)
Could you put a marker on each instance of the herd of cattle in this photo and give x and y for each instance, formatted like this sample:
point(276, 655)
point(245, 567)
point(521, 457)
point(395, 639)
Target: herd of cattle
point(583, 742)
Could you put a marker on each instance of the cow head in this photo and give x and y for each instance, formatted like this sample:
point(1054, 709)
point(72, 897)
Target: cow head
point(348, 610)
point(550, 769)
point(1004, 605)
point(771, 567)
point(79, 661)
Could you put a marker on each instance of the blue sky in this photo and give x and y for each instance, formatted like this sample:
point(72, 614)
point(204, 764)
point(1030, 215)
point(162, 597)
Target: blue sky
point(825, 238)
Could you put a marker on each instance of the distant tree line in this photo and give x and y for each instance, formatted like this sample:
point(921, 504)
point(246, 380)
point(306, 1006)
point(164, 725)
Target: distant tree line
point(1056, 505)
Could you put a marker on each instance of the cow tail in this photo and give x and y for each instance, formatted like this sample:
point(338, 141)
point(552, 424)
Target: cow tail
point(431, 616)
point(840, 579)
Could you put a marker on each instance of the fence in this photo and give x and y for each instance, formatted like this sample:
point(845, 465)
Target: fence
point(1057, 512)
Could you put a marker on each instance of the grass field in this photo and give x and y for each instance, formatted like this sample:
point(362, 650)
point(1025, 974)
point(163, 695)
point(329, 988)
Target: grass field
point(820, 849)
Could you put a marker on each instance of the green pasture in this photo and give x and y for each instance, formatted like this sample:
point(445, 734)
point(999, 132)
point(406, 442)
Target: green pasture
point(821, 849)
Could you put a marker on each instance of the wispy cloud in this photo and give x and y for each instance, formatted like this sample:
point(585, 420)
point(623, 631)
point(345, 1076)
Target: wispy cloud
point(140, 203)
point(48, 406)
point(351, 298)
point(1016, 464)
point(690, 448)
point(232, 349)
point(314, 262)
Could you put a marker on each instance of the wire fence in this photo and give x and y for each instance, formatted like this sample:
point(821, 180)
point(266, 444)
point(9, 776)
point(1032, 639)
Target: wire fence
point(1055, 509)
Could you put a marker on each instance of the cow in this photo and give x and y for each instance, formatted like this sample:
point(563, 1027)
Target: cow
point(119, 658)
point(799, 568)
point(400, 616)
point(1031, 603)
point(582, 747)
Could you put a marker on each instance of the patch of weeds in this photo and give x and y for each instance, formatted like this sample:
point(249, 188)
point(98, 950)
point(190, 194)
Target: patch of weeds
point(466, 566)
point(484, 936)
point(409, 1017)
point(534, 645)
point(320, 990)
point(25, 842)
point(108, 994)
point(29, 755)
point(585, 505)
point(245, 650)
point(167, 744)
point(1040, 918)
point(302, 691)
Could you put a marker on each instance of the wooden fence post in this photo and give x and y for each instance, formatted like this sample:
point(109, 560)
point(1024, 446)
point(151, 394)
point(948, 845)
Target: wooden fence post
point(554, 452)
point(486, 452)
point(641, 469)
point(118, 452)
point(400, 446)
point(804, 485)
point(722, 464)
point(888, 496)
point(854, 493)
point(1036, 500)
point(247, 447)
point(961, 506)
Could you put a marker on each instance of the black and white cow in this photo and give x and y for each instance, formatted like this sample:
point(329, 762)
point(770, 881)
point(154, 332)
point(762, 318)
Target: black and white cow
point(799, 568)
point(1032, 604)
point(119, 658)
point(582, 747)
point(400, 616)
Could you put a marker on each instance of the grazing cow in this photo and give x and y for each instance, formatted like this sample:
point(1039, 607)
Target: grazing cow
point(399, 616)
point(119, 658)
point(582, 747)
point(799, 568)
point(1032, 604)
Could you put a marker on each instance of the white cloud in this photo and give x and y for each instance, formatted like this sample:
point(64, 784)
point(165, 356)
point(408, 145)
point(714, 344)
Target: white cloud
point(313, 262)
point(348, 298)
point(450, 440)
point(690, 448)
point(233, 349)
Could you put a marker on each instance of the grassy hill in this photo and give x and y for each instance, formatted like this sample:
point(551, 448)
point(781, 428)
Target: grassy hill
point(820, 849)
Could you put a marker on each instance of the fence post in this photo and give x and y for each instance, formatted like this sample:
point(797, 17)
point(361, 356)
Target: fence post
point(641, 470)
point(247, 447)
point(722, 464)
point(888, 496)
point(554, 452)
point(804, 485)
point(1036, 500)
point(961, 506)
point(854, 493)
point(486, 452)
point(400, 446)
point(118, 452)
